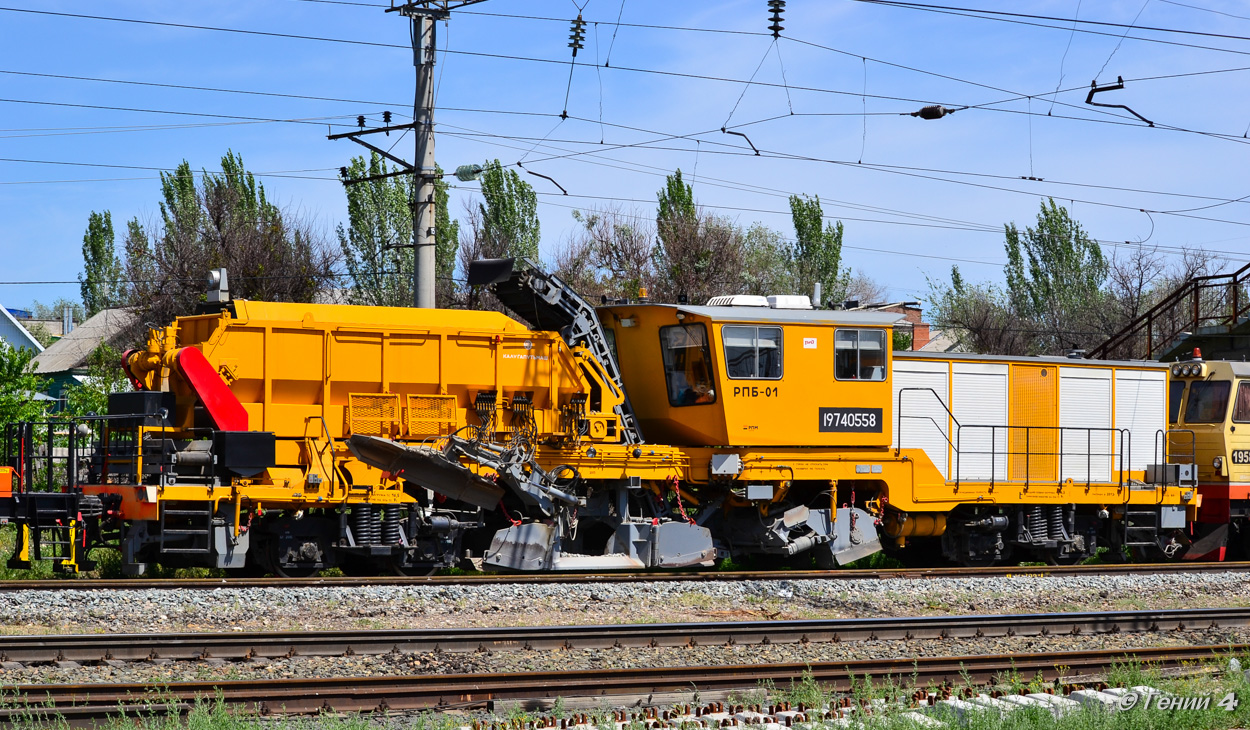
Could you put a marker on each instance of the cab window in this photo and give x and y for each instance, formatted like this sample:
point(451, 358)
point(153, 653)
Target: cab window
point(752, 352)
point(859, 355)
point(1208, 401)
point(1241, 407)
point(1176, 390)
point(687, 364)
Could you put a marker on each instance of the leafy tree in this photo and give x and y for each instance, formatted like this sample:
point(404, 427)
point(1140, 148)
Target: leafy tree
point(817, 251)
point(140, 266)
point(18, 385)
point(379, 223)
point(509, 213)
point(979, 317)
point(1056, 296)
point(767, 267)
point(226, 221)
point(1055, 274)
point(57, 308)
point(697, 255)
point(376, 242)
point(102, 269)
point(676, 210)
point(609, 255)
point(447, 241)
point(104, 376)
point(41, 333)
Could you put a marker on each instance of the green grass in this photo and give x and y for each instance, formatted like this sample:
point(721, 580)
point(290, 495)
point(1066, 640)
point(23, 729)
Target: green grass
point(1208, 679)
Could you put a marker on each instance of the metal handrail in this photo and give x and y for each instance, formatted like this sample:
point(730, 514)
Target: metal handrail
point(1192, 288)
point(1124, 452)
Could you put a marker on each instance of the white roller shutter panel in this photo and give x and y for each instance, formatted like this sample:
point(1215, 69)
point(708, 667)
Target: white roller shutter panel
point(1085, 403)
point(1141, 406)
point(979, 400)
point(923, 422)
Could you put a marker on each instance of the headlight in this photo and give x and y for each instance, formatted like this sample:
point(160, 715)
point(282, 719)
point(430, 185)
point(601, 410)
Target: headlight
point(1176, 371)
point(1191, 370)
point(1218, 463)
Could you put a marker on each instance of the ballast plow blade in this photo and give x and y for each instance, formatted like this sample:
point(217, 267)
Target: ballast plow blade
point(427, 467)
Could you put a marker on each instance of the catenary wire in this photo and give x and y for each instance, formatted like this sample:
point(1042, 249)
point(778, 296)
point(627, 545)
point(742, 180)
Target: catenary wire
point(907, 170)
point(986, 107)
point(1033, 16)
point(313, 120)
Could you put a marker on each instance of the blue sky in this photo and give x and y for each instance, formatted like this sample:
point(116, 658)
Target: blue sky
point(915, 195)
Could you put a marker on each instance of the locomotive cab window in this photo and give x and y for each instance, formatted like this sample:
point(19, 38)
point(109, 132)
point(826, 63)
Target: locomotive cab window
point(1176, 391)
point(1241, 406)
point(1208, 401)
point(752, 352)
point(859, 355)
point(687, 365)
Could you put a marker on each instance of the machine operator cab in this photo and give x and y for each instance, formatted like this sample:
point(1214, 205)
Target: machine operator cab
point(755, 371)
point(1211, 400)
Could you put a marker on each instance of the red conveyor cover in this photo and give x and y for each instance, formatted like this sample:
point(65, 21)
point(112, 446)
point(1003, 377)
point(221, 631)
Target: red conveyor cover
point(220, 402)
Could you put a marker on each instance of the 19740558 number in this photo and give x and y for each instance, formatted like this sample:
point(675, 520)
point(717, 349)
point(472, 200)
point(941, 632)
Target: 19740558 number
point(851, 420)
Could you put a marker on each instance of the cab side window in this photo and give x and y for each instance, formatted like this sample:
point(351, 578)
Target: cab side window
point(687, 364)
point(1241, 407)
point(752, 352)
point(859, 355)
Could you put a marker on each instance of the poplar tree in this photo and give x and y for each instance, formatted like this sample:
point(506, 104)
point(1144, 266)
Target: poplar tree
point(100, 280)
point(696, 255)
point(816, 255)
point(1055, 273)
point(508, 213)
point(376, 242)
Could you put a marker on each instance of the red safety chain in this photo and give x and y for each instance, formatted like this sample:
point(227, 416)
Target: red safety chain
point(515, 523)
point(681, 507)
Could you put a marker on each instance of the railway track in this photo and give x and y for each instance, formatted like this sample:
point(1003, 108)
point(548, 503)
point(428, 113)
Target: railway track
point(274, 645)
point(82, 705)
point(669, 577)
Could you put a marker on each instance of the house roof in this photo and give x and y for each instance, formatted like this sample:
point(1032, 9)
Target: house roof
point(12, 332)
point(941, 341)
point(71, 351)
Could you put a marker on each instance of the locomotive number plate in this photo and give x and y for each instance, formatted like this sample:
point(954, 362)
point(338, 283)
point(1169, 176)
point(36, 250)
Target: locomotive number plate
point(1241, 456)
point(850, 420)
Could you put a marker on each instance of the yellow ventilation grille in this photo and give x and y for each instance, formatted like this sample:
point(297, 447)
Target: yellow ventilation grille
point(431, 415)
point(372, 414)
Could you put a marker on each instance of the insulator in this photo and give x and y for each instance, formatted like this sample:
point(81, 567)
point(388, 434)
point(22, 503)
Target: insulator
point(577, 34)
point(392, 525)
point(360, 121)
point(386, 118)
point(1054, 516)
point(933, 111)
point(777, 8)
point(365, 526)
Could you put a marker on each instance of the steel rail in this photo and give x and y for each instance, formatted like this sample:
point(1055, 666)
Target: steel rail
point(234, 646)
point(89, 703)
point(584, 578)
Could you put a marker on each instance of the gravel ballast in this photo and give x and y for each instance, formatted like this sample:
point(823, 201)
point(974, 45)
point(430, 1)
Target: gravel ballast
point(434, 606)
point(466, 606)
